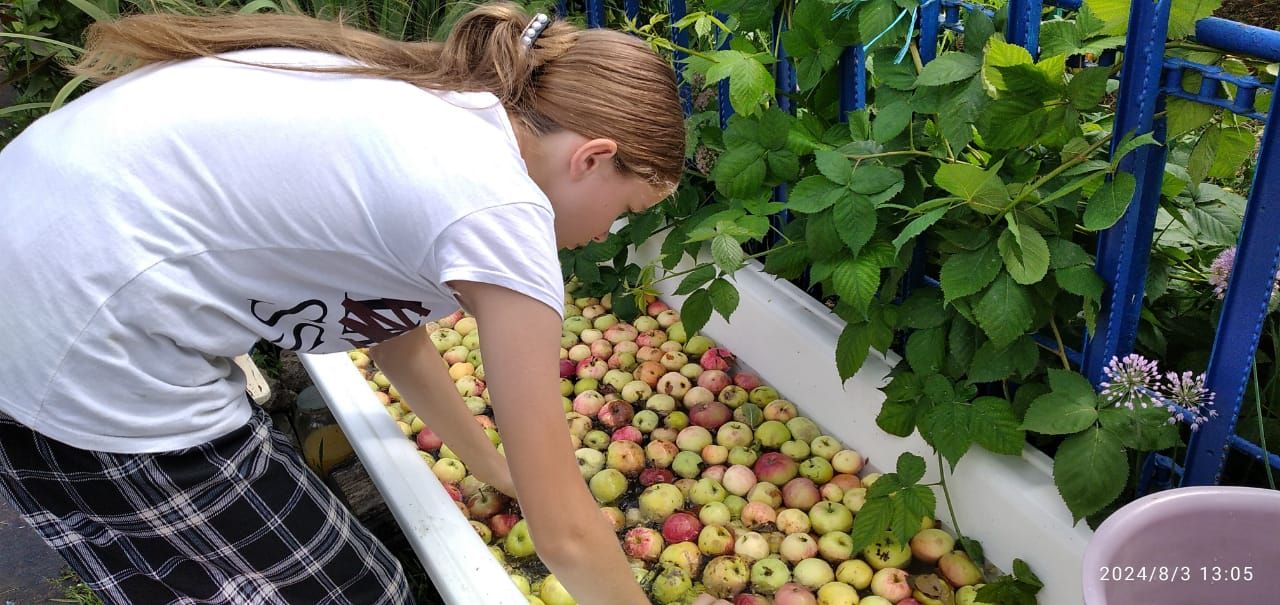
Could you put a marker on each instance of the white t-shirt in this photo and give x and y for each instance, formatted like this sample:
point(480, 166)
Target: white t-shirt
point(163, 223)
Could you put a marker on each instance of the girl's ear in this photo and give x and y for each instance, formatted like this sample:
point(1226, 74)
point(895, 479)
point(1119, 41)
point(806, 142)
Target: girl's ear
point(591, 156)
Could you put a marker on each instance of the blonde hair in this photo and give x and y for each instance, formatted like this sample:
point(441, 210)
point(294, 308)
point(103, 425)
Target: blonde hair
point(597, 83)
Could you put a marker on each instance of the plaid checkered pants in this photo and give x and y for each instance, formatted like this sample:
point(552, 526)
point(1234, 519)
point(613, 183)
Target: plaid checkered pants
point(238, 520)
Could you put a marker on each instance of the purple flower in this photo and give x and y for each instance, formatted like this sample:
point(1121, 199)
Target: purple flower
point(703, 99)
point(704, 159)
point(1130, 381)
point(1188, 391)
point(1220, 274)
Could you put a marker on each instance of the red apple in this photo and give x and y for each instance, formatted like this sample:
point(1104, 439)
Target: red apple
point(681, 527)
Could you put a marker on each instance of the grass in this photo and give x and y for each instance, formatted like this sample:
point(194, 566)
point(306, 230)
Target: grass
point(75, 590)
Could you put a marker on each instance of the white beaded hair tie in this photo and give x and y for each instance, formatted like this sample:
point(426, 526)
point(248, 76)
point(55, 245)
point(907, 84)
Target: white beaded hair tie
point(534, 29)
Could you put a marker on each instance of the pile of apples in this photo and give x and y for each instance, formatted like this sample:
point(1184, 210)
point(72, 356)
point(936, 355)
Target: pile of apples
point(719, 490)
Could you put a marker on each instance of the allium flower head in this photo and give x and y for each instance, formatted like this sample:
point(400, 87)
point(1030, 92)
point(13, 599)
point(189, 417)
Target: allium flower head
point(1188, 391)
point(1220, 274)
point(1130, 380)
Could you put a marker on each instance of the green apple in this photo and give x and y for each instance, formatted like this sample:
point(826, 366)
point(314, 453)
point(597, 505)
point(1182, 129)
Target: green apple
point(768, 575)
point(887, 552)
point(837, 593)
point(772, 434)
point(813, 573)
point(826, 517)
point(803, 429)
point(836, 547)
point(519, 543)
point(856, 573)
point(554, 593)
point(608, 485)
point(816, 469)
point(672, 585)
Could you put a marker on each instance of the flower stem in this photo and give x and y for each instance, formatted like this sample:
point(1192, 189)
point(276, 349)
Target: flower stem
point(946, 495)
point(1057, 336)
point(1262, 429)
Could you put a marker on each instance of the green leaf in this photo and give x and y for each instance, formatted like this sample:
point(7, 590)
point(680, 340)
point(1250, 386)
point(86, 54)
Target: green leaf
point(695, 311)
point(855, 222)
point(741, 170)
point(870, 179)
point(1185, 116)
point(1142, 429)
point(948, 428)
point(92, 10)
point(995, 427)
point(1090, 470)
point(966, 273)
point(871, 522)
point(960, 347)
point(1128, 144)
point(834, 165)
point(750, 82)
point(917, 226)
point(1235, 146)
point(1025, 253)
point(852, 349)
point(1080, 280)
point(1086, 88)
point(947, 68)
point(982, 190)
point(1027, 82)
point(925, 350)
point(1059, 413)
point(1001, 54)
point(724, 297)
point(856, 281)
point(822, 237)
point(890, 121)
point(911, 468)
point(727, 253)
point(991, 363)
point(1005, 311)
point(1109, 202)
point(787, 262)
point(1066, 253)
point(814, 194)
point(783, 164)
point(922, 310)
point(897, 418)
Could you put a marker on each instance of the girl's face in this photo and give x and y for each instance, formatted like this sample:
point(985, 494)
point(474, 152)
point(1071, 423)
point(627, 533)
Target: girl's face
point(587, 190)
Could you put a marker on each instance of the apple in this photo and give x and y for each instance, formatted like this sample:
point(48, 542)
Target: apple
point(626, 457)
point(698, 396)
point(687, 464)
point(681, 527)
point(455, 494)
point(469, 386)
point(627, 433)
point(772, 434)
point(577, 354)
point(477, 406)
point(800, 493)
point(643, 543)
point(726, 575)
point(614, 516)
point(698, 344)
point(452, 357)
point(615, 414)
point(596, 439)
point(486, 503)
point(673, 360)
point(518, 543)
point(793, 521)
point(816, 470)
point(593, 311)
point(428, 440)
point(794, 594)
point(482, 530)
point(683, 554)
point(739, 480)
point(837, 593)
point(798, 547)
point(928, 545)
point(685, 485)
point(632, 517)
point(734, 396)
point(846, 481)
point(646, 421)
point(649, 372)
point(870, 479)
point(968, 595)
point(445, 339)
point(836, 547)
point(592, 367)
point(608, 485)
point(776, 468)
point(706, 491)
point(623, 361)
point(887, 552)
point(554, 593)
point(636, 390)
point(645, 323)
point(764, 395)
point(768, 575)
point(758, 514)
point(854, 498)
point(890, 583)
point(766, 493)
point(733, 434)
point(716, 358)
point(616, 379)
point(829, 516)
point(653, 476)
point(803, 429)
point(671, 585)
point(831, 492)
point(620, 333)
point(847, 462)
point(588, 403)
point(651, 338)
point(742, 456)
point(659, 501)
point(583, 385)
point(673, 384)
point(813, 573)
point(751, 545)
point(668, 318)
point(715, 513)
point(578, 424)
point(660, 453)
point(567, 387)
point(648, 353)
point(660, 403)
point(854, 572)
point(714, 380)
point(665, 433)
point(715, 454)
point(958, 569)
point(693, 438)
point(502, 523)
point(449, 470)
point(715, 540)
point(795, 449)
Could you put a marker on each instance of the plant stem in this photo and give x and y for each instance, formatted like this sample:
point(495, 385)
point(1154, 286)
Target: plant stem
point(1262, 428)
point(1057, 336)
point(915, 58)
point(1078, 159)
point(946, 495)
point(885, 154)
point(745, 258)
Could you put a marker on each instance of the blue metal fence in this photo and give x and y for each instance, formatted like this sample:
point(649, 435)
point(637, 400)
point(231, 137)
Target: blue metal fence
point(1147, 78)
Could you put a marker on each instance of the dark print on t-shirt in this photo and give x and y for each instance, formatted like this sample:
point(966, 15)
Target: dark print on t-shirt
point(364, 322)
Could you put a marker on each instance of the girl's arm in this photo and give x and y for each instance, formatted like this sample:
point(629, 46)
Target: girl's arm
point(412, 363)
point(521, 357)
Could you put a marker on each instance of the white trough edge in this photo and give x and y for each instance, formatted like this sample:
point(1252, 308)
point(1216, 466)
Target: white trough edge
point(1008, 503)
point(460, 565)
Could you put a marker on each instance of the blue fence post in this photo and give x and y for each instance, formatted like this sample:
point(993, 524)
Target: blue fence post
point(632, 8)
point(785, 85)
point(853, 80)
point(1243, 310)
point(595, 13)
point(1024, 24)
point(681, 37)
point(1124, 249)
point(722, 90)
point(562, 8)
point(930, 17)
